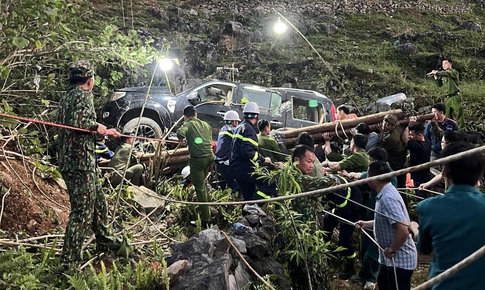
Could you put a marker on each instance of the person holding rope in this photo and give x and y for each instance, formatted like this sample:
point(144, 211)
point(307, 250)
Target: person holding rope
point(451, 225)
point(121, 156)
point(448, 138)
point(392, 138)
point(368, 251)
point(77, 164)
point(356, 162)
point(306, 139)
point(303, 158)
point(223, 148)
point(399, 258)
point(438, 126)
point(197, 134)
point(419, 152)
point(268, 145)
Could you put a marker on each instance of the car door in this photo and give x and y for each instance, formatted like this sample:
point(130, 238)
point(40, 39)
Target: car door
point(269, 103)
point(213, 102)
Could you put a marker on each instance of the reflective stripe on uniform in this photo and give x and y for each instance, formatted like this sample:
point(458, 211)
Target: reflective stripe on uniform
point(349, 194)
point(263, 195)
point(255, 143)
point(351, 256)
point(99, 151)
point(255, 157)
point(226, 133)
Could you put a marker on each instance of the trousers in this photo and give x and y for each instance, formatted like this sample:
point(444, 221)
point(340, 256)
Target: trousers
point(89, 211)
point(454, 110)
point(199, 168)
point(133, 174)
point(247, 187)
point(228, 178)
point(370, 259)
point(386, 279)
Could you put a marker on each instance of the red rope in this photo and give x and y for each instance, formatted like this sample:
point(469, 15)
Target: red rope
point(79, 129)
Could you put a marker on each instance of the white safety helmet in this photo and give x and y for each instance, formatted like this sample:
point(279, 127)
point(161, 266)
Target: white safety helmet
point(251, 108)
point(186, 172)
point(231, 116)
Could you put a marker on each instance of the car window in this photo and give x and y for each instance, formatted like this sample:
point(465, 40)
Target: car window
point(275, 104)
point(211, 93)
point(308, 110)
point(259, 96)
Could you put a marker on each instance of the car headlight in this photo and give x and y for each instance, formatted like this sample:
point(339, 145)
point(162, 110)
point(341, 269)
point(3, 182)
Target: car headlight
point(171, 106)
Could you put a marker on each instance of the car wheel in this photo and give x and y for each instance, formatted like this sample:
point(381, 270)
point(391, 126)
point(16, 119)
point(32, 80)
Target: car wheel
point(148, 128)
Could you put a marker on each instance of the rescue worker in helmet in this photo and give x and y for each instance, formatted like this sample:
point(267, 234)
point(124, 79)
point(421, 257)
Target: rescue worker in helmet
point(223, 148)
point(245, 156)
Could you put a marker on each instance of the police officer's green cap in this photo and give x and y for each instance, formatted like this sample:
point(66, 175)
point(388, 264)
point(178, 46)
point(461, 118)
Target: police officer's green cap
point(81, 69)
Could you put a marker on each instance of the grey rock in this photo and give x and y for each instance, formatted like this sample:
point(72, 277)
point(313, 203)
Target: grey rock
point(239, 244)
point(407, 49)
point(214, 276)
point(145, 198)
point(242, 276)
point(471, 25)
point(193, 12)
point(436, 27)
point(194, 250)
point(176, 270)
point(232, 283)
point(268, 266)
point(253, 219)
point(257, 36)
point(256, 246)
point(211, 236)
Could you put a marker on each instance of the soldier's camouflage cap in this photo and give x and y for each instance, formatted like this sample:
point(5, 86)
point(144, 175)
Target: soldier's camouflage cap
point(81, 69)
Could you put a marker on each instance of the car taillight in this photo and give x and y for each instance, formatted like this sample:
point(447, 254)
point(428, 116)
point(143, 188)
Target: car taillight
point(118, 95)
point(333, 111)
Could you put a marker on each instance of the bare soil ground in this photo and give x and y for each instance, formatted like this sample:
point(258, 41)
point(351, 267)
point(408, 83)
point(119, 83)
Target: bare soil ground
point(33, 205)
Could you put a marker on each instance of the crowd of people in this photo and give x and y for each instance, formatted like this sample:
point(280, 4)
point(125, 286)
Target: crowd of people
point(449, 225)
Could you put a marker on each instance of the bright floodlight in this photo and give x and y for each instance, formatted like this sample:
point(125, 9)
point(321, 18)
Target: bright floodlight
point(165, 64)
point(280, 27)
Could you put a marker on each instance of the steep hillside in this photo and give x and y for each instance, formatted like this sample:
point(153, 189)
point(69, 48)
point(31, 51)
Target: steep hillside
point(369, 49)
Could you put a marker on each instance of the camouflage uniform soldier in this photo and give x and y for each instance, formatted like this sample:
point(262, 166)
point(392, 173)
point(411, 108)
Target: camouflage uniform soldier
point(77, 164)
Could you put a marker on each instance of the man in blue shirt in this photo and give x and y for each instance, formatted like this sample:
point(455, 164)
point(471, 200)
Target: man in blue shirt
point(368, 250)
point(435, 129)
point(399, 258)
point(451, 225)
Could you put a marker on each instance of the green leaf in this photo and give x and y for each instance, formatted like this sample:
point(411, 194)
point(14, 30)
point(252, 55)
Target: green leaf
point(38, 44)
point(20, 42)
point(50, 12)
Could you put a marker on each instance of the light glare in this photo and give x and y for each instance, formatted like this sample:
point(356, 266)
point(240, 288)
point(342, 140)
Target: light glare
point(165, 64)
point(280, 27)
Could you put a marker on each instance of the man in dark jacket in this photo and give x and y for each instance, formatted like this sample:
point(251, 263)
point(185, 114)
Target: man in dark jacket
point(245, 157)
point(223, 148)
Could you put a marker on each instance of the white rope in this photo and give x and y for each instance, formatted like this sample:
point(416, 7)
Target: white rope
point(410, 194)
point(370, 237)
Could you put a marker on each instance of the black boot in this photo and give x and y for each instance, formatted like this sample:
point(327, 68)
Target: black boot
point(349, 269)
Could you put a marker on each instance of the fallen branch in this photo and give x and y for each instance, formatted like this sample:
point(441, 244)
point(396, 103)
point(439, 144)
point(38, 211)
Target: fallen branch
point(12, 243)
point(3, 204)
point(90, 261)
point(40, 190)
